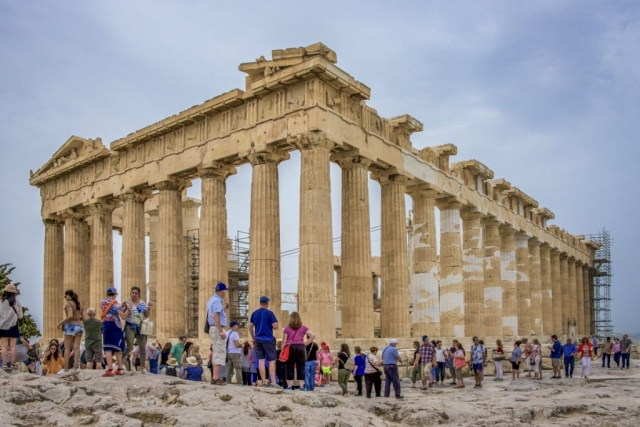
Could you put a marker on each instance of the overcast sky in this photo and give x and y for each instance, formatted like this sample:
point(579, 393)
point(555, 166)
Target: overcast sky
point(547, 94)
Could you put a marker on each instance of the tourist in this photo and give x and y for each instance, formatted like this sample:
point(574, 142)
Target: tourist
point(325, 358)
point(192, 370)
point(451, 361)
point(165, 354)
point(281, 367)
point(498, 360)
point(177, 350)
point(72, 327)
point(441, 357)
point(516, 358)
point(569, 350)
point(556, 354)
point(256, 379)
point(113, 340)
point(33, 353)
point(345, 364)
point(246, 363)
point(234, 353)
point(390, 359)
point(536, 359)
point(424, 360)
point(625, 350)
point(294, 335)
point(416, 371)
point(434, 364)
point(53, 361)
point(595, 344)
point(92, 340)
point(372, 375)
point(10, 314)
point(185, 353)
point(195, 352)
point(138, 311)
point(261, 326)
point(586, 353)
point(217, 322)
point(607, 350)
point(152, 350)
point(171, 368)
point(528, 366)
point(310, 366)
point(477, 361)
point(459, 362)
point(617, 351)
point(358, 369)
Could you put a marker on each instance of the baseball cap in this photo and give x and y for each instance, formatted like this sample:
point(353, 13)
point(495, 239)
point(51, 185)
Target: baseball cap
point(221, 287)
point(425, 337)
point(393, 341)
point(264, 299)
point(233, 323)
point(112, 290)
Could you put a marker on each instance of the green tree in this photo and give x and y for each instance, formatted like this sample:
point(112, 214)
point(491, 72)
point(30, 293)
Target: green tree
point(27, 325)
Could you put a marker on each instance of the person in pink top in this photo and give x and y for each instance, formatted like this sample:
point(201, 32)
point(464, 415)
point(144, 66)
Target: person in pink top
point(294, 335)
point(617, 351)
point(325, 359)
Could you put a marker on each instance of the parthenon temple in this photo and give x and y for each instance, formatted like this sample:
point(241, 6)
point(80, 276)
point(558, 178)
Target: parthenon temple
point(500, 269)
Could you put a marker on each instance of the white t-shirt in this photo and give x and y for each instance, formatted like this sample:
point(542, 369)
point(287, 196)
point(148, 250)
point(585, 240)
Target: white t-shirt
point(368, 369)
point(440, 355)
point(231, 346)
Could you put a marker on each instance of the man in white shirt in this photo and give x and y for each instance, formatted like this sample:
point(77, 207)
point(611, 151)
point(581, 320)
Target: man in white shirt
point(234, 353)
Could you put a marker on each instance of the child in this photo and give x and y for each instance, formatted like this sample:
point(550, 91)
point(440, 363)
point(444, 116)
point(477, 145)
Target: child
point(153, 352)
point(326, 359)
point(280, 367)
point(246, 363)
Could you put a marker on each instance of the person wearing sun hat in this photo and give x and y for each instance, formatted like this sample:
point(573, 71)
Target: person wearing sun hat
point(10, 314)
point(153, 351)
point(171, 369)
point(390, 359)
point(192, 371)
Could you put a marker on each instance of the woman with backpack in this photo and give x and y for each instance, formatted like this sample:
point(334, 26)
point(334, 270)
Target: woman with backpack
point(293, 336)
point(586, 353)
point(345, 365)
point(10, 314)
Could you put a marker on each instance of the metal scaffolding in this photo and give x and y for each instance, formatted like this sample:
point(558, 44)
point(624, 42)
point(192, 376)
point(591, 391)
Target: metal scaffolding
point(239, 279)
point(601, 285)
point(193, 280)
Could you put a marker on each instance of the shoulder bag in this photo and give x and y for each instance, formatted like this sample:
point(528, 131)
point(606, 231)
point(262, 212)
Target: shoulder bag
point(378, 372)
point(106, 310)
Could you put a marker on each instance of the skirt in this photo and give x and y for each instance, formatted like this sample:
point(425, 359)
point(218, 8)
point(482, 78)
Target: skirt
point(12, 332)
point(112, 338)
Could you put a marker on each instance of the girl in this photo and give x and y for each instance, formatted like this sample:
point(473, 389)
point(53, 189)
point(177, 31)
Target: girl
point(498, 358)
point(153, 352)
point(72, 327)
point(10, 314)
point(325, 358)
point(460, 362)
point(586, 353)
point(246, 363)
point(52, 361)
point(536, 359)
point(527, 356)
point(617, 351)
point(358, 369)
point(441, 357)
point(164, 355)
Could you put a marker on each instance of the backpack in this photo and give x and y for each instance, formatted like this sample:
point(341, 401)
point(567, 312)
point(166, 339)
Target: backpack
point(349, 364)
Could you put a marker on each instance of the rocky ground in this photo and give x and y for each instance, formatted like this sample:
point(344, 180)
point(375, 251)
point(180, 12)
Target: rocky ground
point(608, 398)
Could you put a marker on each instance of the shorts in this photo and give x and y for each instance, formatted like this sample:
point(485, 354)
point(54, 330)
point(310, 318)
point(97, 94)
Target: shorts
point(73, 329)
point(266, 350)
point(326, 369)
point(555, 363)
point(12, 332)
point(477, 367)
point(515, 365)
point(219, 347)
point(426, 371)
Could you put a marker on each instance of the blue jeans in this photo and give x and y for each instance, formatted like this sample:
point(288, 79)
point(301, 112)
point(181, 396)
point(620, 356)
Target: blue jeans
point(606, 357)
point(310, 374)
point(625, 360)
point(440, 372)
point(391, 377)
point(153, 366)
point(569, 362)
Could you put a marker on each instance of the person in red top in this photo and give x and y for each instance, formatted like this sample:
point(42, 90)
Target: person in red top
point(586, 352)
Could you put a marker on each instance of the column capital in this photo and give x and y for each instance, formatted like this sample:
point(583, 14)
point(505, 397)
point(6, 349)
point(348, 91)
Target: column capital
point(138, 196)
point(389, 176)
point(449, 203)
point(425, 190)
point(312, 140)
point(173, 184)
point(468, 213)
point(78, 213)
point(269, 155)
point(216, 170)
point(563, 256)
point(103, 206)
point(53, 220)
point(507, 229)
point(351, 158)
point(534, 242)
point(490, 221)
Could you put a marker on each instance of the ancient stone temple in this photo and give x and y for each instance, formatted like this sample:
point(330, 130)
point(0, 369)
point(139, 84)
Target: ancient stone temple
point(500, 270)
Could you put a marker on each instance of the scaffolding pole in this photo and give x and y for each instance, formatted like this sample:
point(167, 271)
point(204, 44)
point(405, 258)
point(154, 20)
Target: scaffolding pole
point(193, 281)
point(601, 275)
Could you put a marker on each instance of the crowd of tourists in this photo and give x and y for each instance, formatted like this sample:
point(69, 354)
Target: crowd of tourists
point(117, 342)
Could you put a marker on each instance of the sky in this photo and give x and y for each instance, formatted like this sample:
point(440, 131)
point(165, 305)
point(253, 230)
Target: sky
point(546, 94)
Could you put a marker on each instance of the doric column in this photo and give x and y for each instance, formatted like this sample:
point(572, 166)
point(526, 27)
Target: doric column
point(357, 300)
point(134, 262)
point(394, 304)
point(425, 293)
point(101, 276)
point(579, 298)
point(316, 299)
point(152, 286)
point(77, 250)
point(556, 291)
point(535, 283)
point(472, 273)
point(523, 284)
point(564, 290)
point(571, 290)
point(508, 274)
point(492, 279)
point(171, 287)
point(213, 266)
point(53, 278)
point(587, 299)
point(265, 276)
point(451, 282)
point(547, 290)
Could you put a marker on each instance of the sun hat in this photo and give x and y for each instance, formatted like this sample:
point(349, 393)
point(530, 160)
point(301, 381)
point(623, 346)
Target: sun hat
point(172, 362)
point(393, 341)
point(10, 288)
point(192, 361)
point(154, 345)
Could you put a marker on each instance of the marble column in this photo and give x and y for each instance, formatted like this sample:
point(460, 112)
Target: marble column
point(535, 282)
point(579, 298)
point(264, 247)
point(134, 262)
point(315, 267)
point(547, 290)
point(357, 301)
point(523, 284)
point(451, 282)
point(77, 250)
point(171, 284)
point(394, 304)
point(557, 290)
point(101, 276)
point(213, 235)
point(152, 286)
point(586, 286)
point(572, 303)
point(492, 279)
point(565, 294)
point(425, 293)
point(508, 275)
point(473, 273)
point(53, 278)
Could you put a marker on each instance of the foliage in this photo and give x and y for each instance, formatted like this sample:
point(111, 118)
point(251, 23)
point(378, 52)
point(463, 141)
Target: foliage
point(27, 325)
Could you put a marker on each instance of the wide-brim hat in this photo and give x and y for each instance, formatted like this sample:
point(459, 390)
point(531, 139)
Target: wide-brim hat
point(172, 362)
point(154, 345)
point(10, 288)
point(192, 361)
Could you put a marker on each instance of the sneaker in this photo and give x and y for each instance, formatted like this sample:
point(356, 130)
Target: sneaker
point(119, 372)
point(107, 373)
point(61, 372)
point(399, 397)
point(144, 371)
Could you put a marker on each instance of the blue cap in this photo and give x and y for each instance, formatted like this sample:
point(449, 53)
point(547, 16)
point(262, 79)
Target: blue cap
point(112, 291)
point(221, 287)
point(425, 337)
point(234, 323)
point(264, 299)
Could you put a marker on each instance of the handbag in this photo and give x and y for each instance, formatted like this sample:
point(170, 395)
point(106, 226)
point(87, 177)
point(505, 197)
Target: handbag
point(146, 327)
point(459, 363)
point(284, 354)
point(498, 358)
point(378, 372)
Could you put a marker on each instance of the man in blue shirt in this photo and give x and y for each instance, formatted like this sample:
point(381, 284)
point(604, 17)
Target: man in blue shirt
point(217, 320)
point(556, 354)
point(477, 360)
point(569, 350)
point(390, 359)
point(261, 326)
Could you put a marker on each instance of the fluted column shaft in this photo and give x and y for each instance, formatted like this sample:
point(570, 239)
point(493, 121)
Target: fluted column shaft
point(572, 303)
point(171, 283)
point(265, 273)
point(579, 299)
point(451, 282)
point(134, 262)
point(557, 292)
point(565, 291)
point(535, 282)
point(425, 293)
point(473, 273)
point(77, 251)
point(508, 274)
point(213, 266)
point(492, 279)
point(394, 305)
point(546, 290)
point(523, 284)
point(586, 286)
point(357, 299)
point(152, 286)
point(53, 278)
point(101, 276)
